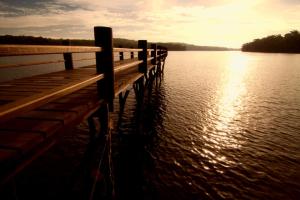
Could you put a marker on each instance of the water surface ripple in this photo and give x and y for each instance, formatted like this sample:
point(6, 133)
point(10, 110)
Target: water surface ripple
point(226, 125)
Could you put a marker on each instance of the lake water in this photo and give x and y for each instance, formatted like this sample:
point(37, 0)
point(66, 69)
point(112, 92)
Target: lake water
point(226, 125)
point(221, 125)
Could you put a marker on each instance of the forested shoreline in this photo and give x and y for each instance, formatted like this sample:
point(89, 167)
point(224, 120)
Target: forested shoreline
point(118, 42)
point(289, 43)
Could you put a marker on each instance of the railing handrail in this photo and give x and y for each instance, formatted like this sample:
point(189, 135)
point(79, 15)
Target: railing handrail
point(126, 50)
point(27, 50)
point(19, 50)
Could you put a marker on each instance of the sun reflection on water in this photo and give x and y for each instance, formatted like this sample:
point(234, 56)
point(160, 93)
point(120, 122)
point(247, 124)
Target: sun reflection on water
point(230, 101)
point(228, 106)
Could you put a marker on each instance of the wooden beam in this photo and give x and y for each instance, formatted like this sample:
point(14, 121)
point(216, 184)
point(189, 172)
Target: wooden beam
point(18, 50)
point(30, 64)
point(126, 50)
point(125, 66)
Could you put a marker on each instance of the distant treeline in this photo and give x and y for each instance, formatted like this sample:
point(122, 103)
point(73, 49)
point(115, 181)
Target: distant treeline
point(31, 40)
point(289, 43)
point(118, 42)
point(191, 47)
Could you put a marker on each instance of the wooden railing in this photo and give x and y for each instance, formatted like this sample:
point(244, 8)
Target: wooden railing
point(106, 68)
point(40, 111)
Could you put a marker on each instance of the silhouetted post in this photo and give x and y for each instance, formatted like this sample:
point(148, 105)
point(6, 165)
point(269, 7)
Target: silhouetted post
point(159, 52)
point(132, 55)
point(68, 57)
point(105, 63)
point(142, 44)
point(153, 53)
point(121, 54)
point(163, 59)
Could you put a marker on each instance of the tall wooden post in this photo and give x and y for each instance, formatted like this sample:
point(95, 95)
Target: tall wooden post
point(68, 57)
point(153, 53)
point(105, 63)
point(142, 44)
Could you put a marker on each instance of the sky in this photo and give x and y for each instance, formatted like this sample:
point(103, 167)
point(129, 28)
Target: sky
point(228, 23)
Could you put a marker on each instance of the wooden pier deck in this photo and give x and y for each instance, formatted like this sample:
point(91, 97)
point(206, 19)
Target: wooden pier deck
point(35, 110)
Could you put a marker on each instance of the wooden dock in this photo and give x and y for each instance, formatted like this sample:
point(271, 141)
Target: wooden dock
point(35, 111)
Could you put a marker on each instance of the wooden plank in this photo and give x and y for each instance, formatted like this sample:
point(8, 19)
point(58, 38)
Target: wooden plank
point(84, 59)
point(42, 86)
point(17, 93)
point(90, 87)
point(126, 50)
point(17, 50)
point(21, 141)
point(68, 73)
point(78, 98)
point(125, 66)
point(125, 61)
point(62, 116)
point(25, 88)
point(2, 102)
point(45, 127)
point(68, 106)
point(48, 83)
point(83, 104)
point(51, 77)
point(30, 64)
point(9, 110)
point(87, 91)
point(8, 155)
point(123, 82)
point(11, 97)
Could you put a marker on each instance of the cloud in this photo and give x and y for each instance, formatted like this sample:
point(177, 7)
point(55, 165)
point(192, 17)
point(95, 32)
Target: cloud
point(209, 22)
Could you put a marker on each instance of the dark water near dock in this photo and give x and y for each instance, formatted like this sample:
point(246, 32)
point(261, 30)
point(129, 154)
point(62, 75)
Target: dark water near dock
point(221, 125)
